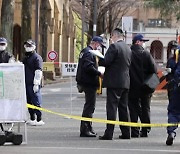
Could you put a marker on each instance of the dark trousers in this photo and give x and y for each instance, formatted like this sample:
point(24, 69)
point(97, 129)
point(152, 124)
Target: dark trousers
point(117, 99)
point(173, 109)
point(89, 107)
point(34, 99)
point(139, 107)
point(172, 118)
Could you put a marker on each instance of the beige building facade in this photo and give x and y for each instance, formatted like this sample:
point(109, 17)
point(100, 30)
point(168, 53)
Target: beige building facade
point(160, 31)
point(61, 30)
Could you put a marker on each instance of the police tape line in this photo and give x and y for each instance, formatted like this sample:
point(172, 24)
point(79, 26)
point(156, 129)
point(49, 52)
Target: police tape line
point(131, 124)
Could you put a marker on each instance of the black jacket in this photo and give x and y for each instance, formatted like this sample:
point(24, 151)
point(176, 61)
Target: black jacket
point(117, 62)
point(5, 56)
point(87, 72)
point(142, 65)
point(32, 63)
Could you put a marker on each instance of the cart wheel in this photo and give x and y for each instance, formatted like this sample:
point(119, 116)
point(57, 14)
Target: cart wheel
point(2, 138)
point(17, 139)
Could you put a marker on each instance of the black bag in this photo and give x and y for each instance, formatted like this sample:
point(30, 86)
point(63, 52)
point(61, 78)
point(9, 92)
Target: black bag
point(151, 83)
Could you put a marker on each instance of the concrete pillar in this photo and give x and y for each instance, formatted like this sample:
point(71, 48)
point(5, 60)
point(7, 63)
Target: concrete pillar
point(69, 49)
point(164, 55)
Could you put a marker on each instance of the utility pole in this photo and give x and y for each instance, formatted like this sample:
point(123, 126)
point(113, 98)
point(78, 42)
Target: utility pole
point(82, 35)
point(94, 17)
point(37, 23)
point(177, 35)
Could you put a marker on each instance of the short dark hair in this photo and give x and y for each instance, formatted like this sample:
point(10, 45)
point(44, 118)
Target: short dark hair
point(118, 31)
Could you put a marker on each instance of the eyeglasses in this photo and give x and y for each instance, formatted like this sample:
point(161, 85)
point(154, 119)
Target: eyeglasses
point(28, 45)
point(2, 44)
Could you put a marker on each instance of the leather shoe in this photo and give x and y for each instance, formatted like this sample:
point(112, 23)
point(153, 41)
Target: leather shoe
point(87, 134)
point(135, 135)
point(144, 134)
point(92, 131)
point(105, 138)
point(124, 137)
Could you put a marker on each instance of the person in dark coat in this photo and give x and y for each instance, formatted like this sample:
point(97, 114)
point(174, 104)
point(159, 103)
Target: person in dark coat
point(5, 56)
point(173, 79)
point(88, 79)
point(33, 74)
point(142, 65)
point(116, 79)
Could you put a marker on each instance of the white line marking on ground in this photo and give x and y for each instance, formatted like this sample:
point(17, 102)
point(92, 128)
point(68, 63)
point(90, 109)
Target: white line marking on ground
point(109, 149)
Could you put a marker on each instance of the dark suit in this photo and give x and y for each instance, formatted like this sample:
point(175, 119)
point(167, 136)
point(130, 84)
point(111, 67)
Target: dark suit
point(116, 78)
point(142, 65)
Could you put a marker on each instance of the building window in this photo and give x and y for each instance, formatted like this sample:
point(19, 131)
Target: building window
point(135, 24)
point(158, 23)
point(156, 50)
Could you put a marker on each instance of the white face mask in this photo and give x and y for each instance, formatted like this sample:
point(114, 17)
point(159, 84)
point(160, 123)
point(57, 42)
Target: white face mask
point(111, 41)
point(172, 51)
point(3, 47)
point(29, 49)
point(144, 45)
point(99, 48)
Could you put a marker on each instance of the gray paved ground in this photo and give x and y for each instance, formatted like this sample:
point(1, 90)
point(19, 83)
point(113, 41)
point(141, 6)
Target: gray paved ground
point(61, 135)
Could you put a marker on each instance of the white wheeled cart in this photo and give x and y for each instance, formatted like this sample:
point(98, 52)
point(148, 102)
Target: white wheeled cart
point(13, 110)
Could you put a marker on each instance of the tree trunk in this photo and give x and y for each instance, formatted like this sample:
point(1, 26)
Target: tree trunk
point(100, 26)
point(110, 21)
point(26, 22)
point(7, 19)
point(90, 32)
point(43, 23)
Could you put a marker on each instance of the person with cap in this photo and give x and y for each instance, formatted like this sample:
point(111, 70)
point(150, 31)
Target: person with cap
point(142, 65)
point(5, 56)
point(87, 78)
point(116, 79)
point(173, 87)
point(33, 76)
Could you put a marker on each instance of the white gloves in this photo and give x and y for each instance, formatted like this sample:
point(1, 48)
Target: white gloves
point(11, 60)
point(35, 88)
point(167, 71)
point(37, 80)
point(37, 77)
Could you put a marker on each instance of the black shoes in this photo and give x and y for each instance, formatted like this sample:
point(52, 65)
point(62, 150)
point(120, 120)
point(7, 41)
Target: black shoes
point(143, 134)
point(104, 137)
point(92, 131)
point(88, 134)
point(124, 137)
point(135, 135)
point(170, 139)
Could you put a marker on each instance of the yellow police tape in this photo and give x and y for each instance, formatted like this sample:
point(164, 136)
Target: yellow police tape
point(132, 124)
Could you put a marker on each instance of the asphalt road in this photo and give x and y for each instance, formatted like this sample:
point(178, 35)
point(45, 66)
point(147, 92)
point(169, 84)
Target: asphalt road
point(60, 135)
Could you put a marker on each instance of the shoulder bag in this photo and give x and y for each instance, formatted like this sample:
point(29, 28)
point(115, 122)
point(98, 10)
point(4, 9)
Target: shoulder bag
point(151, 83)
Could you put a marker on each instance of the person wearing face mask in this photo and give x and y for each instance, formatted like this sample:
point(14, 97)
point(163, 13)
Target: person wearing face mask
point(33, 74)
point(87, 78)
point(116, 79)
point(142, 64)
point(173, 88)
point(5, 57)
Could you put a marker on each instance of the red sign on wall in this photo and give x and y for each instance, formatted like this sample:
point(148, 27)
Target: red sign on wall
point(52, 55)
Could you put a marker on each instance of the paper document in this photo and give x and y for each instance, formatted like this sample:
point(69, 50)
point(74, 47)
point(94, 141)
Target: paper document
point(96, 53)
point(101, 69)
